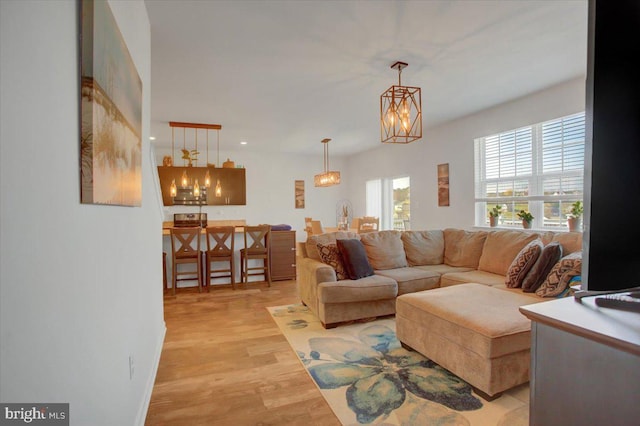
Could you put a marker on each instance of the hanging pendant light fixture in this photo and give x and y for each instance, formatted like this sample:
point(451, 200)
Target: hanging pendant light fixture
point(327, 178)
point(401, 111)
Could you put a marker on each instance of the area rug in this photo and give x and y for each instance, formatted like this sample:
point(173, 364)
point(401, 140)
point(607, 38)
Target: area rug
point(366, 377)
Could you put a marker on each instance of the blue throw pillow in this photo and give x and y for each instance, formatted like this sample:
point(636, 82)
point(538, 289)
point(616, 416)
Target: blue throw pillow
point(354, 257)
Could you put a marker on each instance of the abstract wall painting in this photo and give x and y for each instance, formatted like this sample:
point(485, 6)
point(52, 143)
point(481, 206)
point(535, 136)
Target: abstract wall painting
point(443, 185)
point(111, 106)
point(299, 194)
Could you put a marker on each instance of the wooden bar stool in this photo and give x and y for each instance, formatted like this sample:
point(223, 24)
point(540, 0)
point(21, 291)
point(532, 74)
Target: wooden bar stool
point(185, 249)
point(220, 248)
point(256, 247)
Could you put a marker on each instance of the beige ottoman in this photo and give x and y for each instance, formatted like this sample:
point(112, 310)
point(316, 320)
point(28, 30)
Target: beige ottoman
point(473, 330)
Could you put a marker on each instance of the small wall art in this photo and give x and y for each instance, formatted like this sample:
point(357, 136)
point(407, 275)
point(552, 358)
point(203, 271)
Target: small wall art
point(299, 194)
point(443, 185)
point(111, 105)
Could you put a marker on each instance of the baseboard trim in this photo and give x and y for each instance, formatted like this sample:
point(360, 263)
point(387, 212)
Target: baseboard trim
point(144, 408)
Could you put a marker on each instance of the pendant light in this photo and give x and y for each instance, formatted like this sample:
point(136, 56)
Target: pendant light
point(327, 178)
point(401, 111)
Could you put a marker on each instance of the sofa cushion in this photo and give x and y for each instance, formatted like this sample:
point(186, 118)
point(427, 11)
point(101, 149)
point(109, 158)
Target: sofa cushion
point(482, 319)
point(384, 249)
point(523, 263)
point(411, 280)
point(443, 269)
point(480, 277)
point(330, 255)
point(354, 258)
point(330, 237)
point(463, 248)
point(500, 248)
point(571, 242)
point(374, 287)
point(423, 247)
point(551, 253)
point(562, 272)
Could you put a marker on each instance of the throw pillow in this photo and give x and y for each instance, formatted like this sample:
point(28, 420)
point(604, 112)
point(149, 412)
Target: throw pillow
point(523, 263)
point(551, 253)
point(558, 279)
point(354, 258)
point(330, 237)
point(384, 249)
point(330, 255)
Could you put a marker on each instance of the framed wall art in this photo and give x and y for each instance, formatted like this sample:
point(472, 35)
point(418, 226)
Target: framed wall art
point(299, 194)
point(443, 185)
point(111, 107)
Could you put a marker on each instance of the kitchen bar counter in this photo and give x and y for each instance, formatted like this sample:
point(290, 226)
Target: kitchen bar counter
point(238, 223)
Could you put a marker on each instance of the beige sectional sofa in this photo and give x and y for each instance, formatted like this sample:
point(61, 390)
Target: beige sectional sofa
point(448, 291)
point(412, 261)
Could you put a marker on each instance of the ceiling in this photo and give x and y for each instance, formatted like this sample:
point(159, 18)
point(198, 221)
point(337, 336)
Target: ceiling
point(283, 75)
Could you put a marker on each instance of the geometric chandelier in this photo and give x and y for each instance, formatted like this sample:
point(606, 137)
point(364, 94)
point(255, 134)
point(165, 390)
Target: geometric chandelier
point(327, 177)
point(400, 112)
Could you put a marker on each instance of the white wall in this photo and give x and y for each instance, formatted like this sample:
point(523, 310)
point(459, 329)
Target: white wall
point(80, 285)
point(452, 143)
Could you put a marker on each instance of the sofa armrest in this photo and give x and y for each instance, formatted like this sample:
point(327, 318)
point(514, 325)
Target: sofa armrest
point(310, 274)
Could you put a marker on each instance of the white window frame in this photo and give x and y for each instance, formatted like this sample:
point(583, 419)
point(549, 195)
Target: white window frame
point(518, 156)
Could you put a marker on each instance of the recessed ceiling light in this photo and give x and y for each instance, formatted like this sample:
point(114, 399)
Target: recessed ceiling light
point(243, 142)
point(152, 138)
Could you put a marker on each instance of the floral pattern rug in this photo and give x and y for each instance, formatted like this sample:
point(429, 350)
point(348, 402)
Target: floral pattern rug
point(368, 378)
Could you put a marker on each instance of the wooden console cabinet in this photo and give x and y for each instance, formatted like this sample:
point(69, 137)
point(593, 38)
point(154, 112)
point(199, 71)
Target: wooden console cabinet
point(283, 255)
point(585, 364)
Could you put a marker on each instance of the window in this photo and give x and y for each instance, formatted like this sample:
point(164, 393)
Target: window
point(538, 168)
point(389, 199)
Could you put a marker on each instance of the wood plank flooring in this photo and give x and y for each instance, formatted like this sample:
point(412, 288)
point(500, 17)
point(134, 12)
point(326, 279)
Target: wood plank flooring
point(225, 362)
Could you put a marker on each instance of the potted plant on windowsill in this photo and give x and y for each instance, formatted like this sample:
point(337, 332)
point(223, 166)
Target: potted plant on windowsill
point(526, 217)
point(574, 218)
point(494, 215)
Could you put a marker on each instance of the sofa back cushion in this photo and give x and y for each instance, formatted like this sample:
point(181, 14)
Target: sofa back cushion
point(423, 247)
point(463, 248)
point(500, 248)
point(384, 249)
point(571, 242)
point(328, 238)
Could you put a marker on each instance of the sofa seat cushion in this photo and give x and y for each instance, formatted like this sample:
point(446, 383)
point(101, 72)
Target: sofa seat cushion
point(443, 268)
point(481, 277)
point(374, 287)
point(482, 319)
point(412, 279)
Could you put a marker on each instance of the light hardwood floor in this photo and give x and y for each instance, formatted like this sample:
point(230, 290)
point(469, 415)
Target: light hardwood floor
point(225, 362)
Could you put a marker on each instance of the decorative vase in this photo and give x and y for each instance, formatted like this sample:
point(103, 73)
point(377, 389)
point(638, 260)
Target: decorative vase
point(575, 223)
point(493, 221)
point(228, 164)
point(526, 224)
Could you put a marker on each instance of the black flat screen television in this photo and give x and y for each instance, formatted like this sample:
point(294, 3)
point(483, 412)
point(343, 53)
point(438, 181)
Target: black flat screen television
point(611, 243)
